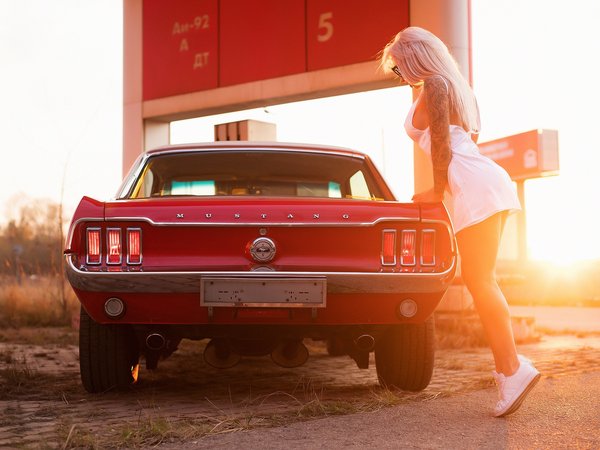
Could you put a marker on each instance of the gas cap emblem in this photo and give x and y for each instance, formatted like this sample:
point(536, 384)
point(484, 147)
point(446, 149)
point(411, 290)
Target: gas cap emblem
point(263, 249)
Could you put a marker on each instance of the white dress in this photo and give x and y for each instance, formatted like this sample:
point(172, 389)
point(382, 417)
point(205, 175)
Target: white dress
point(478, 186)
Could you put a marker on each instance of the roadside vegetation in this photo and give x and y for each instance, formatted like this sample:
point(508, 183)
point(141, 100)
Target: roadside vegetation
point(33, 289)
point(36, 302)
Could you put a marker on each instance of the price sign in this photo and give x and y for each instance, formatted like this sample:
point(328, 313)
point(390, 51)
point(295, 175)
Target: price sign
point(261, 39)
point(180, 42)
point(196, 45)
point(351, 31)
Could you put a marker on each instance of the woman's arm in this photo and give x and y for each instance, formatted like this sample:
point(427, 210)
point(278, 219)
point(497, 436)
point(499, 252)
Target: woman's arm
point(435, 92)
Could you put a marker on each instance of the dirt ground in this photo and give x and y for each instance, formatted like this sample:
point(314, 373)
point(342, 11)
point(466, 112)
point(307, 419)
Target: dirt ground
point(186, 403)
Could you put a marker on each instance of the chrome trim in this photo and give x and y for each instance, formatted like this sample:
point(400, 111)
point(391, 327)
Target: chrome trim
point(108, 230)
point(189, 282)
point(446, 225)
point(128, 252)
point(423, 232)
point(414, 259)
point(249, 224)
point(256, 146)
point(255, 224)
point(263, 249)
point(132, 176)
point(87, 250)
point(449, 228)
point(383, 232)
point(119, 302)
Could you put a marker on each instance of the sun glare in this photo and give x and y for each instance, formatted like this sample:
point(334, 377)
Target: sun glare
point(561, 246)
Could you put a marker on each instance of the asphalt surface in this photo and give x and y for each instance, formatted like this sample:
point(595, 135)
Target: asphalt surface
point(559, 413)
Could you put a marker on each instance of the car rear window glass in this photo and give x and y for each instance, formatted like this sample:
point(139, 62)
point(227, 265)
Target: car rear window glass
point(255, 173)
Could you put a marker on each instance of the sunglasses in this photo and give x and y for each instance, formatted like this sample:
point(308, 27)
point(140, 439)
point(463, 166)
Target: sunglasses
point(399, 74)
point(397, 71)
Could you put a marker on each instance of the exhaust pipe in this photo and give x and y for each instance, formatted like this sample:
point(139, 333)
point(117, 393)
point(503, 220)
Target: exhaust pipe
point(290, 354)
point(155, 341)
point(219, 354)
point(365, 342)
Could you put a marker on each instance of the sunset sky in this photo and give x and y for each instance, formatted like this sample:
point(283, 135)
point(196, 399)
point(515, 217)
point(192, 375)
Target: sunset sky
point(535, 66)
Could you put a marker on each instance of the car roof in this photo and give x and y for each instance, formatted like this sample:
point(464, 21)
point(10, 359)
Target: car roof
point(257, 145)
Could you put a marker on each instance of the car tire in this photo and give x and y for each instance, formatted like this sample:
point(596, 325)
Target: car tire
point(108, 355)
point(404, 356)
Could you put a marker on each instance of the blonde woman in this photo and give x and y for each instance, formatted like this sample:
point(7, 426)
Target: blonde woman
point(444, 122)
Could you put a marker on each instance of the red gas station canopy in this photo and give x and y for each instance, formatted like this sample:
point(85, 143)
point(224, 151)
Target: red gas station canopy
point(195, 45)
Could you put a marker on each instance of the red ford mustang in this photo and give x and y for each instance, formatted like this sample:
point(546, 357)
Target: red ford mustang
point(257, 246)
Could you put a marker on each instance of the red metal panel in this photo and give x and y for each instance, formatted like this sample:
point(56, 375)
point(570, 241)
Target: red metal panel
point(180, 45)
point(185, 309)
point(261, 39)
point(341, 32)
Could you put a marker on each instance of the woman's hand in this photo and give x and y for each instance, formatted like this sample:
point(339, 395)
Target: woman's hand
point(429, 196)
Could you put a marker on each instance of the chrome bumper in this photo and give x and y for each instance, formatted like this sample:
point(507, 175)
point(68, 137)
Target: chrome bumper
point(189, 282)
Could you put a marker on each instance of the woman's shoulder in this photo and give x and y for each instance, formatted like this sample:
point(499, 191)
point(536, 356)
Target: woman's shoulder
point(436, 83)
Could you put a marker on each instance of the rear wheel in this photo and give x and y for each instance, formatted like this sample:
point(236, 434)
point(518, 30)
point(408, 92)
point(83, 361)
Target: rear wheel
point(404, 356)
point(108, 355)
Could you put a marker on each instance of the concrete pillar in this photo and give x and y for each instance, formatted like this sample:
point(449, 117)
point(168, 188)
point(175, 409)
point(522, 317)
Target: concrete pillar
point(450, 21)
point(133, 127)
point(138, 134)
point(156, 134)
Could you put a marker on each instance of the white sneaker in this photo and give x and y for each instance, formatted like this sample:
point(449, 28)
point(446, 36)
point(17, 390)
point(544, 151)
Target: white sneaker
point(524, 359)
point(512, 390)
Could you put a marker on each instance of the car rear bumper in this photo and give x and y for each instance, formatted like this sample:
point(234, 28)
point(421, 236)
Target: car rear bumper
point(190, 282)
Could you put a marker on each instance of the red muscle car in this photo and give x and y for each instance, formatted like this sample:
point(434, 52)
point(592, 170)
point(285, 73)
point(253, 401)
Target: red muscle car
point(257, 246)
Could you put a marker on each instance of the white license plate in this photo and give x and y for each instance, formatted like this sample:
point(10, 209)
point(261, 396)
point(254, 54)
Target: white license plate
point(264, 292)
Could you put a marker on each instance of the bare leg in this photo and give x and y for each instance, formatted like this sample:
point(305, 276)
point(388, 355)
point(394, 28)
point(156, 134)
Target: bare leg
point(478, 246)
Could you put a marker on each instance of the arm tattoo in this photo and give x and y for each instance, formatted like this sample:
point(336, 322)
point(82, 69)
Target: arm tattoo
point(438, 110)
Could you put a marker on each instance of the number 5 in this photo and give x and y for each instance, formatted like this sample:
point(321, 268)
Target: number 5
point(326, 26)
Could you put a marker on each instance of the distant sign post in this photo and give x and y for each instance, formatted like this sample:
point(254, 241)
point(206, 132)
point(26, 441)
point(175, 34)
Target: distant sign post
point(532, 154)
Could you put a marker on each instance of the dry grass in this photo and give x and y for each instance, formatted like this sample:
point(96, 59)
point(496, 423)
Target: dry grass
point(148, 432)
point(153, 428)
point(20, 380)
point(36, 302)
point(15, 373)
point(43, 336)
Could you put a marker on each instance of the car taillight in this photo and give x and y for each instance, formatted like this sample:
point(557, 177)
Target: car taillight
point(408, 240)
point(428, 248)
point(93, 246)
point(114, 246)
point(388, 248)
point(134, 246)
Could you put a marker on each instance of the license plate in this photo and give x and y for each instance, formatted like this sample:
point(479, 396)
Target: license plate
point(264, 292)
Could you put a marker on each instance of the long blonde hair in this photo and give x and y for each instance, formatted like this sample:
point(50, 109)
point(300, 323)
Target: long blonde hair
point(419, 54)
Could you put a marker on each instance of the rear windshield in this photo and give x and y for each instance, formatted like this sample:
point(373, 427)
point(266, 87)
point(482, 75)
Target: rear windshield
point(255, 173)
